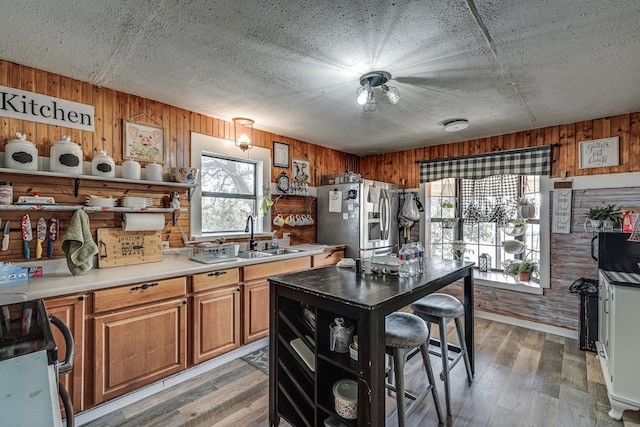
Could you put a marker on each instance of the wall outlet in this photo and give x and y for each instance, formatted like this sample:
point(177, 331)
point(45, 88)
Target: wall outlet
point(286, 235)
point(165, 245)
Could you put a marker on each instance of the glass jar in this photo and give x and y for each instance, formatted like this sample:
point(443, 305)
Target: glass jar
point(6, 193)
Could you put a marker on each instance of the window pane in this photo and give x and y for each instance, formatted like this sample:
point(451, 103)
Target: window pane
point(225, 214)
point(221, 175)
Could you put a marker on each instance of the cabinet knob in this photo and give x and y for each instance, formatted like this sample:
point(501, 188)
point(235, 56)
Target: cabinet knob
point(81, 298)
point(184, 302)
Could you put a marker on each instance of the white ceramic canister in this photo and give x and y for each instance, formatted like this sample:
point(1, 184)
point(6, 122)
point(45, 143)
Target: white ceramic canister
point(131, 169)
point(66, 157)
point(21, 154)
point(103, 165)
point(154, 172)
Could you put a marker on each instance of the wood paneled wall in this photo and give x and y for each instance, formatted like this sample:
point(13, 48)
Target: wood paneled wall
point(112, 106)
point(394, 167)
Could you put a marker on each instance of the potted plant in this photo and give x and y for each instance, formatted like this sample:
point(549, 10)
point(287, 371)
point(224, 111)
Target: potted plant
point(523, 269)
point(609, 214)
point(525, 207)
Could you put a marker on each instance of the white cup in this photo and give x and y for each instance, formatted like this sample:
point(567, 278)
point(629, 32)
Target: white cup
point(290, 221)
point(278, 220)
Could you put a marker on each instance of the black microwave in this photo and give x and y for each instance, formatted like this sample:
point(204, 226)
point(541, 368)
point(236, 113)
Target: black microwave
point(616, 252)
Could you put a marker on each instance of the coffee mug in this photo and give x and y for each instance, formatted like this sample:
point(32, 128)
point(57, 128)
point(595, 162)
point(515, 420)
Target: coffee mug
point(278, 220)
point(290, 221)
point(299, 220)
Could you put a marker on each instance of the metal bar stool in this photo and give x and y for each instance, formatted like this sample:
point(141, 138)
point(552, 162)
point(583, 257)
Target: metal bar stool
point(441, 309)
point(404, 332)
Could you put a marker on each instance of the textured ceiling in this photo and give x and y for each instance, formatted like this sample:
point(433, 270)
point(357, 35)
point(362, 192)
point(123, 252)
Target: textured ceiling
point(293, 66)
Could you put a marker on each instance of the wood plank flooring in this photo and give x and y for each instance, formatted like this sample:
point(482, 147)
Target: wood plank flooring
point(523, 378)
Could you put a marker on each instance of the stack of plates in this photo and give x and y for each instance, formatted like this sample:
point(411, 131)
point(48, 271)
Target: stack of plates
point(136, 202)
point(101, 201)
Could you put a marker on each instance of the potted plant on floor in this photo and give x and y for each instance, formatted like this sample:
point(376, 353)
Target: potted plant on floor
point(523, 269)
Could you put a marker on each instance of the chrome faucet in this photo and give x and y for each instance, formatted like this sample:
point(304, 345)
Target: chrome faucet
point(252, 243)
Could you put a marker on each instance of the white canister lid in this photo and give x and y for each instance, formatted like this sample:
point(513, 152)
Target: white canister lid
point(22, 138)
point(346, 390)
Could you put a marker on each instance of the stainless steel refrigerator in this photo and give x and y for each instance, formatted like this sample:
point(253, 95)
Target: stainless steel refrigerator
point(362, 215)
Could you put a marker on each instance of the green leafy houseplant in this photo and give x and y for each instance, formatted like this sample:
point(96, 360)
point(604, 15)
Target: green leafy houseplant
point(523, 269)
point(609, 213)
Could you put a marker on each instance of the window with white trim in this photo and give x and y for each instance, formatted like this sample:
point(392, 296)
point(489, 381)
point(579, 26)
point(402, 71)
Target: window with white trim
point(229, 193)
point(480, 214)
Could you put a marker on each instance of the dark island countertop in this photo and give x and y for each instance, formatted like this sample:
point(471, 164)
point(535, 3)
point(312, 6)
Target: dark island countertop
point(374, 290)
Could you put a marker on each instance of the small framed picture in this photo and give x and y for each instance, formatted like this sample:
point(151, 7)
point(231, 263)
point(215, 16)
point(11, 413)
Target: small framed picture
point(301, 170)
point(280, 155)
point(142, 142)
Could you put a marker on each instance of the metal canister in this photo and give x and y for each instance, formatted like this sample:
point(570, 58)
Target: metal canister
point(6, 193)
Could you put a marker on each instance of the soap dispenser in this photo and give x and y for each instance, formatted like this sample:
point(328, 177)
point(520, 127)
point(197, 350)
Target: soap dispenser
point(274, 240)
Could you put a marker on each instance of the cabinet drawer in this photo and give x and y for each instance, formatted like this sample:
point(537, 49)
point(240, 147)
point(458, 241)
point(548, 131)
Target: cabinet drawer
point(327, 258)
point(258, 271)
point(139, 293)
point(215, 279)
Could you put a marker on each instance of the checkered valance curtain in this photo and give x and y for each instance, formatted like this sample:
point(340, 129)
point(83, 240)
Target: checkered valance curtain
point(526, 161)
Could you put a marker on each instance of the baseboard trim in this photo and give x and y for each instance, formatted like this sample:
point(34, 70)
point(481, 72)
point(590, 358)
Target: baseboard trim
point(542, 327)
point(120, 402)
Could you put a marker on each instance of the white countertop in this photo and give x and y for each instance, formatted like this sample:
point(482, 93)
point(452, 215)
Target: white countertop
point(175, 263)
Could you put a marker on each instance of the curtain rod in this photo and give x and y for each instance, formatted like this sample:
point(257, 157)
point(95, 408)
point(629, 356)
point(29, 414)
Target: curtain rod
point(489, 154)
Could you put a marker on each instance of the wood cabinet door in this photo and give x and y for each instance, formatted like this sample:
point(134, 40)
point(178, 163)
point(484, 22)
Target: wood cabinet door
point(216, 323)
point(71, 310)
point(255, 308)
point(138, 346)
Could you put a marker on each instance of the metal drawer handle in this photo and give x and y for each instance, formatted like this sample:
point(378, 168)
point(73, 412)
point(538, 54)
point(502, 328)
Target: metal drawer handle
point(143, 287)
point(217, 273)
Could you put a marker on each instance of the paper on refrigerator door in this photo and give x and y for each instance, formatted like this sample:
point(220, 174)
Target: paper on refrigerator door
point(335, 201)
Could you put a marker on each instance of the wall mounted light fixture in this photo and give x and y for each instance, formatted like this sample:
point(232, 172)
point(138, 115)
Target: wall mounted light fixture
point(243, 133)
point(376, 80)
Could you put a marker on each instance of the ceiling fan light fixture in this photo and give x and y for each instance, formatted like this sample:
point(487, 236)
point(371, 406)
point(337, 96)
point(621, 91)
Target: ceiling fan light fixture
point(362, 94)
point(371, 105)
point(456, 125)
point(391, 94)
point(370, 81)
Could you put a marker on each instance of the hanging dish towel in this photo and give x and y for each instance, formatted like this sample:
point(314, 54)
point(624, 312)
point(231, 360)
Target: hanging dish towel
point(265, 205)
point(78, 245)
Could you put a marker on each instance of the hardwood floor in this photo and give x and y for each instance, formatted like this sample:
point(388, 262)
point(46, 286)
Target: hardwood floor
point(523, 378)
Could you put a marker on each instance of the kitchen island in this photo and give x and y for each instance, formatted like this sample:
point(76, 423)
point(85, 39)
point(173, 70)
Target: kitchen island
point(301, 385)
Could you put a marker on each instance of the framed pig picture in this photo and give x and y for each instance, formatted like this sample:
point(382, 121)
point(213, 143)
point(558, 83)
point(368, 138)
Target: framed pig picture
point(142, 142)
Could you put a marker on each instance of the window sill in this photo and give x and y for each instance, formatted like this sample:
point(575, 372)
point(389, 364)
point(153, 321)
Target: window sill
point(500, 281)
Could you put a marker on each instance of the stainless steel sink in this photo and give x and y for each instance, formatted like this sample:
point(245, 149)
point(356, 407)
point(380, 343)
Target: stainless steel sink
point(253, 254)
point(267, 253)
point(281, 251)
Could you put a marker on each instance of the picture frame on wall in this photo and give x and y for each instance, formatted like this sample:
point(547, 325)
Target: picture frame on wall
point(280, 155)
point(142, 142)
point(599, 153)
point(301, 170)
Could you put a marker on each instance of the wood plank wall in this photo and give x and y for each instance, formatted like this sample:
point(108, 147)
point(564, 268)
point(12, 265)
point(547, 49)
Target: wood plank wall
point(111, 107)
point(394, 167)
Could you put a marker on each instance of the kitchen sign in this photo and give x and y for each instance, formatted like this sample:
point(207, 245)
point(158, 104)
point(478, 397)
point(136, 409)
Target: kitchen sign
point(599, 153)
point(20, 104)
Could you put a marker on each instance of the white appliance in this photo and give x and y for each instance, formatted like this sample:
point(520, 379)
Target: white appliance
point(618, 318)
point(361, 215)
point(29, 367)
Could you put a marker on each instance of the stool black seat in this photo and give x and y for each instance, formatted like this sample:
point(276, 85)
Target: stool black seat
point(441, 309)
point(404, 332)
